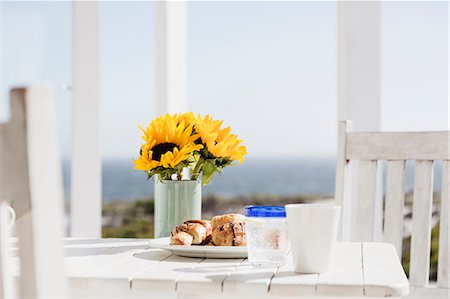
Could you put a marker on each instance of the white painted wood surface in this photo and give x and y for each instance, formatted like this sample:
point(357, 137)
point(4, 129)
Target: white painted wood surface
point(285, 284)
point(363, 229)
point(249, 280)
point(16, 185)
point(430, 292)
point(86, 194)
point(6, 282)
point(132, 270)
point(375, 274)
point(5, 278)
point(421, 229)
point(198, 278)
point(343, 182)
point(34, 186)
point(171, 56)
point(346, 275)
point(444, 232)
point(397, 146)
point(395, 201)
point(166, 276)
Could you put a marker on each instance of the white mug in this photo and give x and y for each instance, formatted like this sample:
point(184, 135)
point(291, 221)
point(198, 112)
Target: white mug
point(11, 212)
point(312, 234)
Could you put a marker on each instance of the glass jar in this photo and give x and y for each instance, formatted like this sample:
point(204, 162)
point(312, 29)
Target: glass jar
point(266, 231)
point(176, 202)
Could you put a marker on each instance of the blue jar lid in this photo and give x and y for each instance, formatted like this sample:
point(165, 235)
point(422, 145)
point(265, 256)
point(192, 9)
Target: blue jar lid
point(265, 211)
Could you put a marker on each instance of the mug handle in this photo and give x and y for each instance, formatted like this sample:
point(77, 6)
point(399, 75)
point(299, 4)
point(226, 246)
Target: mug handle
point(13, 216)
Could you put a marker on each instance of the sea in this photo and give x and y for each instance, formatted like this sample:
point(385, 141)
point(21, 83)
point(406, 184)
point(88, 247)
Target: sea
point(255, 177)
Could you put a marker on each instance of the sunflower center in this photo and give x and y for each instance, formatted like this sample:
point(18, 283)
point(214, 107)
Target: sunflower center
point(161, 149)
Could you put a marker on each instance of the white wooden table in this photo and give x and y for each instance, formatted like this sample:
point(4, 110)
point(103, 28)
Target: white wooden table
point(129, 268)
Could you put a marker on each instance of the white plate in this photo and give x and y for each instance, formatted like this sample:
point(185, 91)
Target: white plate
point(223, 252)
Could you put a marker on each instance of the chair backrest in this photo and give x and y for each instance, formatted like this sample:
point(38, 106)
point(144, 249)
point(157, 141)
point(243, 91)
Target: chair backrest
point(358, 176)
point(31, 179)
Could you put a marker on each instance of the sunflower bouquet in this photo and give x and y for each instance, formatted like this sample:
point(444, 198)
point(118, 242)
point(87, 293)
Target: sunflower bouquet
point(185, 146)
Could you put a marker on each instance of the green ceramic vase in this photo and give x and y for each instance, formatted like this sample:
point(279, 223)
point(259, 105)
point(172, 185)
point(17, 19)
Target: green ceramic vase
point(176, 202)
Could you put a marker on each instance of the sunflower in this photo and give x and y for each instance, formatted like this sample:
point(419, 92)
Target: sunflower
point(219, 142)
point(169, 143)
point(188, 117)
point(179, 142)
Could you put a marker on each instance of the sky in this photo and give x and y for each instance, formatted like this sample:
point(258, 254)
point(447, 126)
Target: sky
point(268, 69)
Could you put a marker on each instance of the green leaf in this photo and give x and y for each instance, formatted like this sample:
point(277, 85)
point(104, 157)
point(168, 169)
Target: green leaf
point(151, 173)
point(208, 172)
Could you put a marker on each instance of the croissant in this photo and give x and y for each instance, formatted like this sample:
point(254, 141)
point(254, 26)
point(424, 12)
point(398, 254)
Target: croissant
point(200, 230)
point(181, 238)
point(207, 225)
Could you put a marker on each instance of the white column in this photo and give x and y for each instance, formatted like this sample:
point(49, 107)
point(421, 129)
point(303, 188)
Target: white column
point(171, 56)
point(359, 81)
point(359, 63)
point(86, 195)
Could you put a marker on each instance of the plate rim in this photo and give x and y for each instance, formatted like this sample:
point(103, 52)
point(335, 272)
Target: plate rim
point(163, 243)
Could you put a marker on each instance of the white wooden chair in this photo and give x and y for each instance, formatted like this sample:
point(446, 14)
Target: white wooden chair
point(358, 192)
point(31, 179)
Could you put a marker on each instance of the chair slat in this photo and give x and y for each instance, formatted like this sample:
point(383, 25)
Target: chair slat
point(421, 227)
point(444, 262)
point(365, 208)
point(395, 200)
point(343, 183)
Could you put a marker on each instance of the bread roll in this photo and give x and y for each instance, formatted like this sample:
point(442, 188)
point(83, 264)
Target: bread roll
point(228, 218)
point(229, 234)
point(181, 238)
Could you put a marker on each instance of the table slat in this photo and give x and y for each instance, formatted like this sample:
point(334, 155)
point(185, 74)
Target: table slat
point(94, 263)
point(79, 271)
point(346, 276)
point(383, 273)
point(207, 276)
point(165, 277)
point(110, 241)
point(249, 281)
point(78, 253)
point(119, 275)
point(288, 283)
